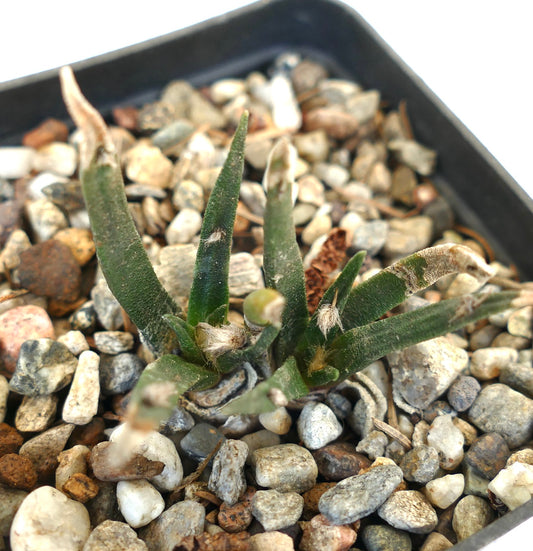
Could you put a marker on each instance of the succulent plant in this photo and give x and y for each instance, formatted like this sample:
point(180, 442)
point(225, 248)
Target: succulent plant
point(297, 350)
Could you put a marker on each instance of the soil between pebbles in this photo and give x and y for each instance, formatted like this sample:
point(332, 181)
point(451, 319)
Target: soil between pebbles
point(324, 473)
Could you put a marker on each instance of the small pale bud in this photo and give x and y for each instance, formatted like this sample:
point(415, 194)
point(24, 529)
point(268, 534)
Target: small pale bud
point(327, 318)
point(215, 341)
point(263, 307)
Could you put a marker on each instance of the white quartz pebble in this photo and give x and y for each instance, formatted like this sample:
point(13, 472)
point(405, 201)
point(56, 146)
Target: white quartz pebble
point(317, 425)
point(443, 491)
point(156, 447)
point(81, 404)
point(448, 440)
point(16, 162)
point(47, 520)
point(139, 502)
point(514, 484)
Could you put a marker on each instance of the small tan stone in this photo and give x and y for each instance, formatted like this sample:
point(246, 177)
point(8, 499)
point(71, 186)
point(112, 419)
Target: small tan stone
point(146, 164)
point(79, 241)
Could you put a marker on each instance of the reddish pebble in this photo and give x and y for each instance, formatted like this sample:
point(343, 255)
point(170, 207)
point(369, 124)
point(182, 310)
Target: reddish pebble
point(319, 535)
point(17, 472)
point(18, 325)
point(49, 269)
point(90, 434)
point(339, 461)
point(126, 117)
point(234, 518)
point(50, 130)
point(10, 439)
point(312, 497)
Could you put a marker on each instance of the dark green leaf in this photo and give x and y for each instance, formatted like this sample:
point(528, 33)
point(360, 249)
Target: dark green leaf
point(187, 344)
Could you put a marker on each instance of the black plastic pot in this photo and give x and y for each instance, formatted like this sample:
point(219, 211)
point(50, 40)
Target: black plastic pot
point(483, 195)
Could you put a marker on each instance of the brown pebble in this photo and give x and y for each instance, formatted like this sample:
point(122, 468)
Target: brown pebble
point(90, 434)
point(50, 130)
point(339, 461)
point(80, 487)
point(126, 117)
point(312, 497)
point(234, 518)
point(44, 448)
point(19, 325)
point(10, 439)
point(49, 269)
point(10, 219)
point(79, 241)
point(220, 541)
point(17, 472)
point(337, 124)
point(61, 308)
point(105, 466)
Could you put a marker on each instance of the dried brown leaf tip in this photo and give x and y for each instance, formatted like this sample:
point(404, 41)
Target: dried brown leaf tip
point(318, 275)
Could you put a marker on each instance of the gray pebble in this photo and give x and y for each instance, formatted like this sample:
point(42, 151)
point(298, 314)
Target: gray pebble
point(408, 235)
point(183, 227)
point(409, 510)
point(414, 155)
point(140, 191)
point(174, 260)
point(253, 196)
point(475, 484)
point(286, 468)
point(339, 404)
point(463, 392)
point(44, 366)
point(332, 175)
point(185, 518)
point(364, 105)
point(303, 213)
point(317, 425)
point(312, 146)
point(227, 475)
point(421, 373)
point(420, 464)
point(370, 236)
point(107, 307)
point(245, 275)
point(111, 535)
point(188, 195)
point(260, 439)
point(486, 363)
point(276, 510)
point(113, 342)
point(501, 409)
point(505, 339)
point(358, 496)
point(519, 377)
point(373, 444)
point(200, 441)
point(118, 374)
point(172, 133)
point(36, 413)
point(482, 338)
point(180, 420)
point(377, 537)
point(470, 515)
point(10, 500)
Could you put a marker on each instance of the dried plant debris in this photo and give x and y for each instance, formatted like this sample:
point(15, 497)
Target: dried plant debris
point(352, 177)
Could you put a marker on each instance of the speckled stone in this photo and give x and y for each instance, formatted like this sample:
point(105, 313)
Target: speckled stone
point(227, 475)
point(500, 409)
point(106, 306)
point(113, 342)
point(44, 367)
point(424, 371)
point(286, 468)
point(180, 420)
point(185, 518)
point(409, 510)
point(111, 535)
point(470, 515)
point(84, 318)
point(317, 425)
point(436, 542)
point(358, 496)
point(370, 236)
point(36, 413)
point(79, 241)
point(277, 510)
point(463, 392)
point(118, 374)
point(486, 363)
point(19, 325)
point(420, 464)
point(408, 235)
point(145, 164)
point(75, 341)
point(518, 376)
point(373, 444)
point(377, 537)
point(36, 527)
